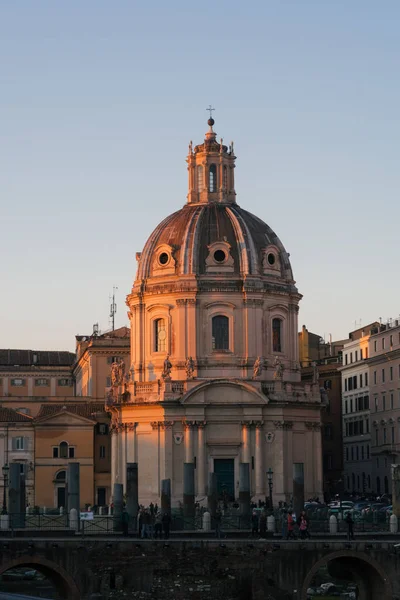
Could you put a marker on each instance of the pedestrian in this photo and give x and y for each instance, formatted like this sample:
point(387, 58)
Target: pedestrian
point(284, 523)
point(125, 522)
point(304, 525)
point(166, 523)
point(147, 523)
point(254, 523)
point(142, 528)
point(290, 526)
point(218, 519)
point(158, 525)
point(350, 523)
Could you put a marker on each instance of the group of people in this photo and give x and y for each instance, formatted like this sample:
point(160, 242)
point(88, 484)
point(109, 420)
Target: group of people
point(153, 523)
point(291, 523)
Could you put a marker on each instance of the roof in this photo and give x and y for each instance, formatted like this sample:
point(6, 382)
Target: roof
point(36, 358)
point(192, 229)
point(8, 415)
point(87, 410)
point(121, 332)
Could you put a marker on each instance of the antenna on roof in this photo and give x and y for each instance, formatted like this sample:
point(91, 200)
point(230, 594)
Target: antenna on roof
point(95, 329)
point(113, 308)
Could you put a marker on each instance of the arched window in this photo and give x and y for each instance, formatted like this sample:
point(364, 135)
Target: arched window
point(63, 450)
point(212, 182)
point(160, 335)
point(276, 335)
point(61, 476)
point(220, 333)
point(200, 179)
point(225, 179)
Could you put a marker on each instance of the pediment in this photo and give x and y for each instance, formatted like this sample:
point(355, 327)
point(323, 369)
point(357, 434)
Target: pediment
point(231, 393)
point(64, 418)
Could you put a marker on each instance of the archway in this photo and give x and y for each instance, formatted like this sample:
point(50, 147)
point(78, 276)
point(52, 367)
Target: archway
point(366, 573)
point(64, 583)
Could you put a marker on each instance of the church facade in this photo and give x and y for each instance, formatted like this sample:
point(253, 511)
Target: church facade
point(214, 377)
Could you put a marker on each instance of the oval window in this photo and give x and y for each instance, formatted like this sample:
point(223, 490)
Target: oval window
point(271, 259)
point(163, 258)
point(219, 256)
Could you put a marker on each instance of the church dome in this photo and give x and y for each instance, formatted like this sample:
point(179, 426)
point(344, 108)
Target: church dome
point(216, 238)
point(211, 234)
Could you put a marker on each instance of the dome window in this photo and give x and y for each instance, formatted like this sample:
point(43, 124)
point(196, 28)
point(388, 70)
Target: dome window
point(212, 179)
point(276, 335)
point(271, 258)
point(163, 258)
point(219, 256)
point(220, 333)
point(225, 178)
point(200, 179)
point(160, 335)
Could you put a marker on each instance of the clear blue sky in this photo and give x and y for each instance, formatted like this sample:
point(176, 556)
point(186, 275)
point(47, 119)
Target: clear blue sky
point(98, 103)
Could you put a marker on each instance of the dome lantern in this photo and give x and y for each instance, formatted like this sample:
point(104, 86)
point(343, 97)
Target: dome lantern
point(211, 170)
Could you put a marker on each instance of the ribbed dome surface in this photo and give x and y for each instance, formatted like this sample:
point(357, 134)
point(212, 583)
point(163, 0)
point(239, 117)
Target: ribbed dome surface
point(191, 230)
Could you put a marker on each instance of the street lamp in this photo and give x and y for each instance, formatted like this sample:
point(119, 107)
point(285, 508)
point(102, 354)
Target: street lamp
point(5, 470)
point(270, 475)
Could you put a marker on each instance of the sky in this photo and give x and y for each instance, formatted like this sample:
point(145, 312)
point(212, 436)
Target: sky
point(99, 101)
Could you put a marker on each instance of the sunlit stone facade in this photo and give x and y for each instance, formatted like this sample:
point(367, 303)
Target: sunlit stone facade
point(214, 377)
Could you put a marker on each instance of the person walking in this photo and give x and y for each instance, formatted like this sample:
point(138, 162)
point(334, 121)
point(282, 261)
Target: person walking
point(304, 526)
point(166, 523)
point(254, 523)
point(158, 526)
point(290, 526)
point(350, 523)
point(263, 524)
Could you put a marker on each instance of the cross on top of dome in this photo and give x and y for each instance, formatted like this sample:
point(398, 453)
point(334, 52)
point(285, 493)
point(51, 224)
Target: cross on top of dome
point(210, 121)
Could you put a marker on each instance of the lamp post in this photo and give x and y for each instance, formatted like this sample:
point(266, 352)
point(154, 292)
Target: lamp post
point(270, 475)
point(5, 470)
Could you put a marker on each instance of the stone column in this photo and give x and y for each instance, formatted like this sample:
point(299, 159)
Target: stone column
point(188, 439)
point(191, 327)
point(73, 487)
point(319, 487)
point(245, 442)
point(132, 492)
point(212, 493)
point(188, 495)
point(114, 454)
point(14, 496)
point(118, 495)
point(166, 496)
point(131, 442)
point(123, 457)
point(244, 489)
point(260, 489)
point(201, 460)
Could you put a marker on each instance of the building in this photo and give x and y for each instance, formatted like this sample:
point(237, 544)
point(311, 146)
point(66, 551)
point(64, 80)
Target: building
point(321, 361)
point(214, 373)
point(17, 445)
point(384, 383)
point(36, 373)
point(356, 412)
point(94, 357)
point(71, 433)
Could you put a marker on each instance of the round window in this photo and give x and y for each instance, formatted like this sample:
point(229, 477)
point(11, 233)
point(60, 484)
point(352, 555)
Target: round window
point(163, 258)
point(271, 259)
point(219, 256)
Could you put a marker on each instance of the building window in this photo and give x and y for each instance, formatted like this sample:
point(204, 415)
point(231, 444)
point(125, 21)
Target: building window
point(362, 452)
point(345, 385)
point(212, 183)
point(113, 359)
point(61, 476)
point(63, 450)
point(361, 353)
point(367, 425)
point(376, 403)
point(375, 377)
point(345, 359)
point(276, 335)
point(346, 407)
point(220, 333)
point(391, 341)
point(347, 453)
point(392, 401)
point(328, 432)
point(17, 382)
point(328, 384)
point(102, 451)
point(351, 357)
point(383, 375)
point(102, 428)
point(361, 380)
point(391, 373)
point(366, 379)
point(384, 435)
point(356, 356)
point(392, 433)
point(55, 452)
point(383, 402)
point(368, 455)
point(375, 346)
point(41, 382)
point(71, 452)
point(160, 335)
point(383, 343)
point(64, 382)
point(225, 180)
point(352, 453)
point(18, 443)
point(200, 179)
point(351, 405)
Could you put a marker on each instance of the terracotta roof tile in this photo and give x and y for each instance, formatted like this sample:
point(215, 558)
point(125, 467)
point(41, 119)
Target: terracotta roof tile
point(8, 415)
point(38, 358)
point(87, 410)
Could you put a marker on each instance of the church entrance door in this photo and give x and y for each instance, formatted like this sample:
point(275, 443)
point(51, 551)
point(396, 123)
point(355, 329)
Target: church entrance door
point(225, 471)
